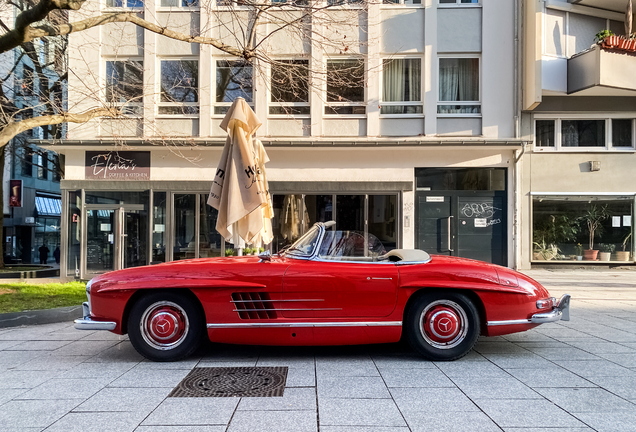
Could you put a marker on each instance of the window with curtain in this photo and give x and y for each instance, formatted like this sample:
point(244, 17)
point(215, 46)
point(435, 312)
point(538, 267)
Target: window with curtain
point(459, 83)
point(401, 86)
point(345, 86)
point(289, 87)
point(179, 87)
point(583, 133)
point(233, 79)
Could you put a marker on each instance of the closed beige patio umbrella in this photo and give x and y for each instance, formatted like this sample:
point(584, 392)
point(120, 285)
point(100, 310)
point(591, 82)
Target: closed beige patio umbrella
point(239, 190)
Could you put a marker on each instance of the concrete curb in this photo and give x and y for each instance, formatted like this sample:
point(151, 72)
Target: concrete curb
point(46, 316)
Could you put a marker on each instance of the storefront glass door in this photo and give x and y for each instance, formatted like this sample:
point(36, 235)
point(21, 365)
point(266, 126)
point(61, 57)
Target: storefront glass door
point(100, 243)
point(116, 238)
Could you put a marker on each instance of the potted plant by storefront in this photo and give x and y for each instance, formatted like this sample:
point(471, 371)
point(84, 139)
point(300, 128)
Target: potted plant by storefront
point(545, 252)
point(623, 255)
point(606, 251)
point(593, 218)
point(579, 252)
point(550, 232)
point(230, 252)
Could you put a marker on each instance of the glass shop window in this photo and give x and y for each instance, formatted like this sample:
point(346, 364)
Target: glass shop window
point(582, 228)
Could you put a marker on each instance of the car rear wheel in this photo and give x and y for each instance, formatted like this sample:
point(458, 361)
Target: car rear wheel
point(165, 326)
point(442, 326)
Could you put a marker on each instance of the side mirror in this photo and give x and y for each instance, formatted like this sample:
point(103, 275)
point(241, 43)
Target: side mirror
point(265, 256)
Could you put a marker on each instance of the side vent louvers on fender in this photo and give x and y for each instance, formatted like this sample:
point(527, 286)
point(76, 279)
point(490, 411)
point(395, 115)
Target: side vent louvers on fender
point(253, 305)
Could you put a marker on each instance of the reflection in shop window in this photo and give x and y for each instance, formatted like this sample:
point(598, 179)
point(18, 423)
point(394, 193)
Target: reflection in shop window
point(561, 230)
point(74, 234)
point(159, 227)
point(296, 213)
point(210, 241)
point(184, 226)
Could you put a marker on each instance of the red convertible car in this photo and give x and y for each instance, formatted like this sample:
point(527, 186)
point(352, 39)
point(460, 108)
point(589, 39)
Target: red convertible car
point(329, 288)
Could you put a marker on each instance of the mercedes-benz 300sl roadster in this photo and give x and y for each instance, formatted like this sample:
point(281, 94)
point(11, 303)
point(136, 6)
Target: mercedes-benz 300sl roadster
point(331, 287)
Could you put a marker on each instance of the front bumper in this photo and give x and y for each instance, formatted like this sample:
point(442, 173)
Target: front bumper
point(561, 312)
point(87, 323)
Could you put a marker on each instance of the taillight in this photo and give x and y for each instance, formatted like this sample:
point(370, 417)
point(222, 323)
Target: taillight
point(546, 303)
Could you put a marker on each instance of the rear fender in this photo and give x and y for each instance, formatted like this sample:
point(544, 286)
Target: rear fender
point(472, 295)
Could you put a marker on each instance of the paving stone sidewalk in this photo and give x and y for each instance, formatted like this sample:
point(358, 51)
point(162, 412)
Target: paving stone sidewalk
point(568, 376)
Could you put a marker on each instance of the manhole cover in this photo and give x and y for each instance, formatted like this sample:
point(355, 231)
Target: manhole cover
point(232, 382)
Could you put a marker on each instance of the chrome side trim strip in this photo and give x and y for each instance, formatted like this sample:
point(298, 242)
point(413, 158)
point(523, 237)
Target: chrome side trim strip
point(275, 301)
point(307, 324)
point(509, 322)
point(88, 324)
point(286, 309)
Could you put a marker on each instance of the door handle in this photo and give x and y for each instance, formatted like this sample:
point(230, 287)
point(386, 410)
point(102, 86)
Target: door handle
point(449, 234)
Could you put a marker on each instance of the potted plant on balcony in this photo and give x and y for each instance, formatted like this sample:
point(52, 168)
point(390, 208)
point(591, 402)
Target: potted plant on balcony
point(593, 218)
point(606, 251)
point(624, 255)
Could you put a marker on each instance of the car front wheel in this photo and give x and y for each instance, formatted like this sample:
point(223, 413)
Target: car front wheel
point(442, 326)
point(165, 326)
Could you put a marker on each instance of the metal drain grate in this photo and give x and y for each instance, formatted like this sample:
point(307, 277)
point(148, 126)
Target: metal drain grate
point(232, 382)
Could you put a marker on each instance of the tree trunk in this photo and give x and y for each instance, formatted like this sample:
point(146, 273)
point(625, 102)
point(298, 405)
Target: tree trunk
point(3, 151)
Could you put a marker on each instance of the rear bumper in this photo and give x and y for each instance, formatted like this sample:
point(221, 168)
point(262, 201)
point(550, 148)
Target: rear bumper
point(561, 312)
point(87, 323)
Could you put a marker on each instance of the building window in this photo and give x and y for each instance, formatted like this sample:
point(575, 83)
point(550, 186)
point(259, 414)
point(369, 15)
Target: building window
point(27, 162)
point(545, 133)
point(179, 87)
point(125, 3)
point(233, 79)
point(406, 2)
point(622, 133)
point(459, 84)
point(458, 2)
point(345, 87)
point(43, 165)
point(401, 86)
point(591, 134)
point(179, 3)
point(290, 87)
point(560, 228)
point(583, 133)
point(56, 168)
point(124, 85)
point(27, 80)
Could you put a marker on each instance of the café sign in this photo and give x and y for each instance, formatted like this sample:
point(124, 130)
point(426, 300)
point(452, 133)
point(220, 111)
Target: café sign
point(117, 165)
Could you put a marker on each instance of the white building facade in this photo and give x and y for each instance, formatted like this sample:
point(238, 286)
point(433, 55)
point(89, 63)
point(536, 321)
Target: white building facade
point(422, 155)
point(579, 111)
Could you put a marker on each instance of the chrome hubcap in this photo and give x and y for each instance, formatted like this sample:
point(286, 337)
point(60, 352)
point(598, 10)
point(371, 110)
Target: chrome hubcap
point(443, 324)
point(164, 325)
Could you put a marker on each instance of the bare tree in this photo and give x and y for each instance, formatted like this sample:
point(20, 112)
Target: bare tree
point(234, 28)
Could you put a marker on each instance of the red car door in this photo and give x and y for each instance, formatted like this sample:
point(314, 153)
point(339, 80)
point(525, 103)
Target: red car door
point(319, 289)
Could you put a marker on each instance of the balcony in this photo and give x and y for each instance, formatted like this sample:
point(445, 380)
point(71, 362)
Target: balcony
point(612, 5)
point(601, 72)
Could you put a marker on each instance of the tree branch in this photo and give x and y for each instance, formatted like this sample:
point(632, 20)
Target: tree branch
point(17, 37)
point(14, 128)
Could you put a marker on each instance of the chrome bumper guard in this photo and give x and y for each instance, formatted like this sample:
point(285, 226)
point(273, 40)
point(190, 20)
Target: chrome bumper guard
point(87, 323)
point(559, 313)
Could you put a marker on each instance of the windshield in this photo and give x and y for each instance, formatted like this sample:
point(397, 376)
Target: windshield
point(305, 245)
point(350, 245)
